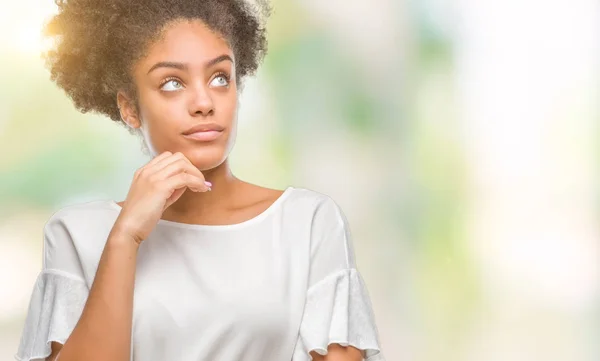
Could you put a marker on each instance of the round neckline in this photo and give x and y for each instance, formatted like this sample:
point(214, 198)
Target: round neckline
point(247, 222)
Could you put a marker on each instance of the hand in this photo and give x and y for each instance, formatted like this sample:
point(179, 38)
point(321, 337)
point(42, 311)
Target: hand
point(156, 186)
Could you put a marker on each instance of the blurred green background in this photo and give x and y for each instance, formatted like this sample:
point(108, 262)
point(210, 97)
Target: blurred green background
point(459, 138)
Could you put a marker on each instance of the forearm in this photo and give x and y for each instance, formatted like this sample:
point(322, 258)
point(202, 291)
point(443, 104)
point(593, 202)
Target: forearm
point(103, 331)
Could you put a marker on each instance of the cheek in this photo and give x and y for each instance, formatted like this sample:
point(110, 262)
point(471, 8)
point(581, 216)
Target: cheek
point(227, 106)
point(161, 113)
point(161, 105)
point(159, 123)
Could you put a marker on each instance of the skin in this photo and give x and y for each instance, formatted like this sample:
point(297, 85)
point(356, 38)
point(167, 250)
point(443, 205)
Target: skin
point(171, 100)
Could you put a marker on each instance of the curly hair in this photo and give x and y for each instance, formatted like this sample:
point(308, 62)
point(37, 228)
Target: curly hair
point(97, 42)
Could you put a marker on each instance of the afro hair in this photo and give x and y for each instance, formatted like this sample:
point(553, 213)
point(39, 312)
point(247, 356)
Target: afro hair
point(97, 42)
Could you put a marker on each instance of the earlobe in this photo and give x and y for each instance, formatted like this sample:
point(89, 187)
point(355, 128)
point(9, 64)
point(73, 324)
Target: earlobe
point(132, 122)
point(130, 119)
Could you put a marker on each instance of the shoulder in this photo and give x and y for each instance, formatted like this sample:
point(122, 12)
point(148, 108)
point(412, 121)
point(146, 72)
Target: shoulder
point(83, 215)
point(81, 211)
point(322, 207)
point(329, 236)
point(310, 196)
point(74, 236)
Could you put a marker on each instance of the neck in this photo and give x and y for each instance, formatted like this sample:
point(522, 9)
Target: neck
point(224, 188)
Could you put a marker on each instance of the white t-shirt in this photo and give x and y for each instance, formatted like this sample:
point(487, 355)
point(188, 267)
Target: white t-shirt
point(271, 288)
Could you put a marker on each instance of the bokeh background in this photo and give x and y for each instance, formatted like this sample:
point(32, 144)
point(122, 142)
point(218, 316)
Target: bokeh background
point(459, 137)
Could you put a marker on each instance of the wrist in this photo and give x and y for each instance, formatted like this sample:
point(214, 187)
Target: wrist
point(119, 235)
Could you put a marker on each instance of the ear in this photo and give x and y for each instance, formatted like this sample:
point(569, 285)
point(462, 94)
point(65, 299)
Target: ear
point(128, 110)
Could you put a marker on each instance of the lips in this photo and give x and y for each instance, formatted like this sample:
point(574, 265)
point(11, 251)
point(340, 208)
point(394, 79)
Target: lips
point(206, 127)
point(204, 136)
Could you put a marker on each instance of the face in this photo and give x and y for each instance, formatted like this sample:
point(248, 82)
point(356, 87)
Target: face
point(186, 79)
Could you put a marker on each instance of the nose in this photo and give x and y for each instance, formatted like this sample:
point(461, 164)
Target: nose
point(201, 102)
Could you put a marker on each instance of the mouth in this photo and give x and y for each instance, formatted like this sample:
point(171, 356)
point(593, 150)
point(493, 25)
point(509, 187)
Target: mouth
point(204, 132)
point(202, 127)
point(204, 136)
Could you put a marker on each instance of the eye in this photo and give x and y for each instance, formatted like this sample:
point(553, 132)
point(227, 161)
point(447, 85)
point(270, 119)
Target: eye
point(220, 80)
point(174, 85)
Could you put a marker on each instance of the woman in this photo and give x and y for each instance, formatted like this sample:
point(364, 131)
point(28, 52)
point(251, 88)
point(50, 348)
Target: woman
point(227, 271)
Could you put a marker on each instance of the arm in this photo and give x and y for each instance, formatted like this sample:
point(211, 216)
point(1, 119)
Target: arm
point(103, 331)
point(335, 352)
point(337, 309)
point(56, 347)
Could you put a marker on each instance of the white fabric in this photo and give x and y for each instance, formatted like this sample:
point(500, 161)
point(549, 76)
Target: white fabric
point(338, 310)
point(56, 305)
point(272, 288)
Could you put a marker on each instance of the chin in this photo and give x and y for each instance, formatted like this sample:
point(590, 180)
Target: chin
point(206, 157)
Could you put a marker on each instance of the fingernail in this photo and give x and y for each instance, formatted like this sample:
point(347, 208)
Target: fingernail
point(208, 183)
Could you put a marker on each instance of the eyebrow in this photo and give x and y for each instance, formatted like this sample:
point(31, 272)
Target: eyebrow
point(182, 66)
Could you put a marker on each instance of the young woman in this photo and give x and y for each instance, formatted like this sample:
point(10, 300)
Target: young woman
point(195, 264)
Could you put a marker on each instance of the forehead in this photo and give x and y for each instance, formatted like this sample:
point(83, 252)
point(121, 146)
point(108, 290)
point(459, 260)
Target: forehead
point(187, 41)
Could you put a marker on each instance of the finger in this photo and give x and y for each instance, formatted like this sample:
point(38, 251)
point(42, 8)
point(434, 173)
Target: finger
point(185, 164)
point(158, 158)
point(181, 180)
point(151, 165)
point(147, 168)
point(190, 168)
point(168, 160)
point(179, 166)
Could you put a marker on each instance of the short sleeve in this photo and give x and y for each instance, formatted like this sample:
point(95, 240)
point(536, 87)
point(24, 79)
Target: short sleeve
point(338, 307)
point(58, 297)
